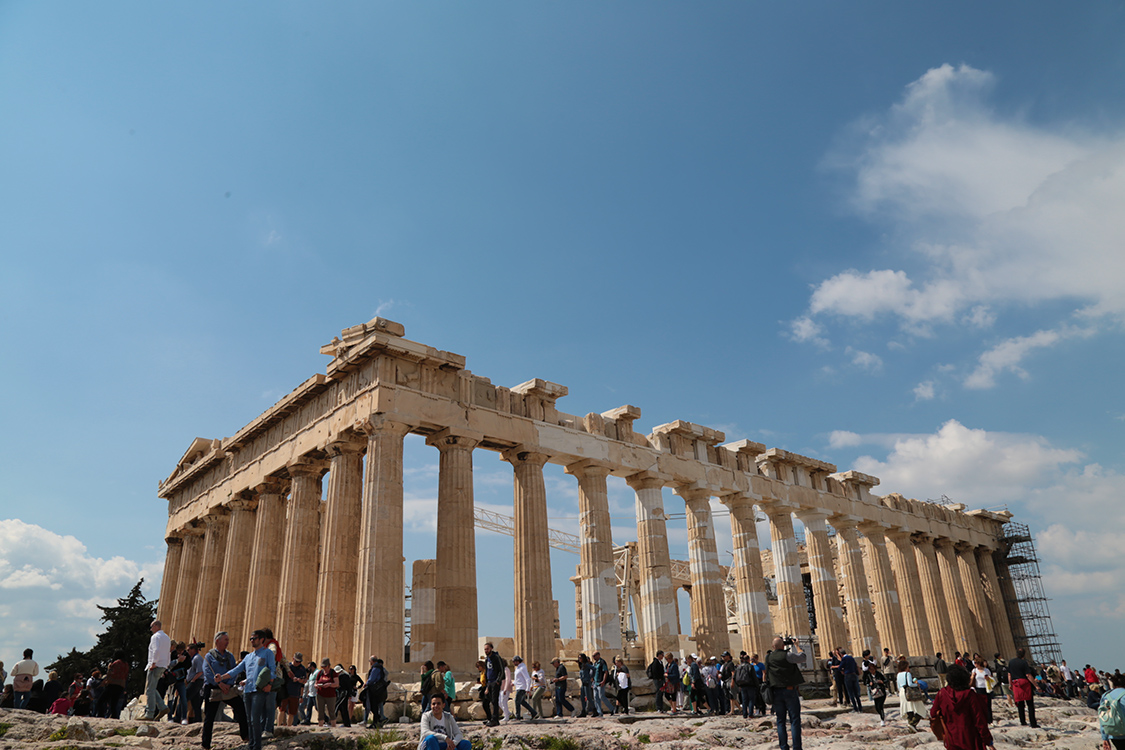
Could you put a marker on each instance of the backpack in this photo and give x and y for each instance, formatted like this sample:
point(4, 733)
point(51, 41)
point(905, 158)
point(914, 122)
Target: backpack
point(655, 670)
point(743, 675)
point(1111, 715)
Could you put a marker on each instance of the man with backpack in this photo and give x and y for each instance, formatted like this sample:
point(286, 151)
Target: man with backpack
point(726, 675)
point(23, 676)
point(655, 673)
point(746, 681)
point(1111, 714)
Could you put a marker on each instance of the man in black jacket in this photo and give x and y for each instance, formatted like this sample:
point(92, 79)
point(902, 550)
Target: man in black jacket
point(656, 674)
point(783, 671)
point(494, 679)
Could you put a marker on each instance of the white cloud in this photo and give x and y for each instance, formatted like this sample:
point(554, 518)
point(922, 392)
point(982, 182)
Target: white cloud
point(1008, 354)
point(844, 439)
point(384, 306)
point(52, 587)
point(924, 391)
point(865, 360)
point(805, 329)
point(992, 213)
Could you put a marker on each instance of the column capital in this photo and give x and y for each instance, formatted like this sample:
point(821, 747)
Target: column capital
point(191, 529)
point(843, 521)
point(213, 515)
point(173, 540)
point(963, 547)
point(451, 438)
point(242, 503)
point(345, 445)
point(811, 515)
point(988, 548)
point(587, 468)
point(306, 467)
point(924, 537)
point(872, 528)
point(693, 493)
point(647, 480)
point(269, 486)
point(382, 424)
point(773, 506)
point(737, 500)
point(942, 541)
point(898, 533)
point(525, 454)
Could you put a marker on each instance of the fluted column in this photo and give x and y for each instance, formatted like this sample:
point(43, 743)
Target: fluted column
point(191, 559)
point(210, 574)
point(860, 612)
point(792, 606)
point(231, 615)
point(888, 611)
point(964, 629)
point(601, 620)
point(974, 592)
point(754, 621)
point(334, 632)
point(423, 596)
point(1001, 629)
point(1011, 606)
point(456, 595)
point(266, 559)
point(936, 605)
point(708, 604)
point(380, 628)
point(826, 592)
point(297, 589)
point(905, 564)
point(167, 605)
point(659, 624)
point(534, 606)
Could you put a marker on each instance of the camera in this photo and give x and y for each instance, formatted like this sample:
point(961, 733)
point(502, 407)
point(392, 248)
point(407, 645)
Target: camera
point(788, 641)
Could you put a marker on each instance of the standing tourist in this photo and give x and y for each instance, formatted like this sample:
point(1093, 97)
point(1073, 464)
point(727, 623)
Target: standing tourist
point(538, 688)
point(726, 680)
point(784, 676)
point(911, 708)
point(941, 668)
point(746, 680)
point(195, 682)
point(439, 730)
point(601, 679)
point(559, 682)
point(377, 683)
point(159, 657)
point(586, 682)
point(711, 680)
point(343, 694)
point(1020, 676)
point(116, 676)
point(849, 672)
point(983, 682)
point(427, 687)
point(505, 691)
point(656, 674)
point(493, 679)
point(259, 669)
point(217, 692)
point(877, 688)
point(449, 687)
point(623, 681)
point(290, 704)
point(23, 677)
point(962, 711)
point(522, 683)
point(671, 680)
point(327, 682)
point(1111, 714)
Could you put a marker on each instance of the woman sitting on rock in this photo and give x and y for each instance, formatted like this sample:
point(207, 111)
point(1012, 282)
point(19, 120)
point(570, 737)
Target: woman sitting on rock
point(963, 711)
point(439, 730)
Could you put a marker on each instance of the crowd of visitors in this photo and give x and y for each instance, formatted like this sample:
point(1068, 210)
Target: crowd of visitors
point(189, 682)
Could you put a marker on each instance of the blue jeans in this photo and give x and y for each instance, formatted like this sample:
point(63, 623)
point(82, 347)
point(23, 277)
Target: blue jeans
point(851, 686)
point(181, 702)
point(588, 706)
point(787, 701)
point(152, 692)
point(19, 700)
point(747, 696)
point(433, 742)
point(561, 702)
point(257, 707)
point(601, 701)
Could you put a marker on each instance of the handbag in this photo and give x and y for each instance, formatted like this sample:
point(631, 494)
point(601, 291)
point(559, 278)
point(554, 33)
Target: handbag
point(937, 726)
point(913, 693)
point(223, 692)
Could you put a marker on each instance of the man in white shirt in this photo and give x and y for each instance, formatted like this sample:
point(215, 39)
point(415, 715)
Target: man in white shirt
point(159, 657)
point(521, 681)
point(23, 673)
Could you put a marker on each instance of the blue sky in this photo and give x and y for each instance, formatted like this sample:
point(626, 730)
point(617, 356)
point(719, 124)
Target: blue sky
point(884, 235)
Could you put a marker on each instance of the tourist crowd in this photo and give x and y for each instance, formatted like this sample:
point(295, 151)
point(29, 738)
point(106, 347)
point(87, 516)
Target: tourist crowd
point(189, 682)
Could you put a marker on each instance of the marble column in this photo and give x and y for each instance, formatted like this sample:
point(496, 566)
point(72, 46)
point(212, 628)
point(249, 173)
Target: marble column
point(456, 602)
point(708, 603)
point(423, 596)
point(203, 620)
point(933, 596)
point(964, 629)
point(860, 612)
point(380, 628)
point(793, 609)
point(534, 606)
point(658, 622)
point(754, 621)
point(888, 610)
point(296, 610)
point(601, 620)
point(1011, 606)
point(334, 632)
point(974, 593)
point(826, 591)
point(231, 616)
point(187, 585)
point(167, 604)
point(1002, 630)
point(904, 561)
point(265, 561)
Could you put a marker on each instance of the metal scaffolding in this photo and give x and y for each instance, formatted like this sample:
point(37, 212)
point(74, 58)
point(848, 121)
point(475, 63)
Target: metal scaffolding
point(1026, 595)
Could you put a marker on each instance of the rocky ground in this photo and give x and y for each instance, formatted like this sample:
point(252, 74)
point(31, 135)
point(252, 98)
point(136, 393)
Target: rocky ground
point(1063, 726)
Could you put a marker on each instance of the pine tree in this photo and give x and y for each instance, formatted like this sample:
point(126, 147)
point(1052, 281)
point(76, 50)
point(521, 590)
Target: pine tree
point(127, 632)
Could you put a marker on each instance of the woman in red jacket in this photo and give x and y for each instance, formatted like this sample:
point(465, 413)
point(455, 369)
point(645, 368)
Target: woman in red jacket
point(964, 713)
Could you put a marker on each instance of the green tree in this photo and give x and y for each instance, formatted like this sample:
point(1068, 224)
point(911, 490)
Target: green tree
point(127, 632)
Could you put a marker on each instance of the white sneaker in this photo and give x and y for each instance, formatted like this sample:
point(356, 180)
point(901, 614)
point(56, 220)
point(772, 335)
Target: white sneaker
point(183, 722)
point(882, 723)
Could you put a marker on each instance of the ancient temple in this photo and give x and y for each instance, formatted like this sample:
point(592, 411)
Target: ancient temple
point(256, 539)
